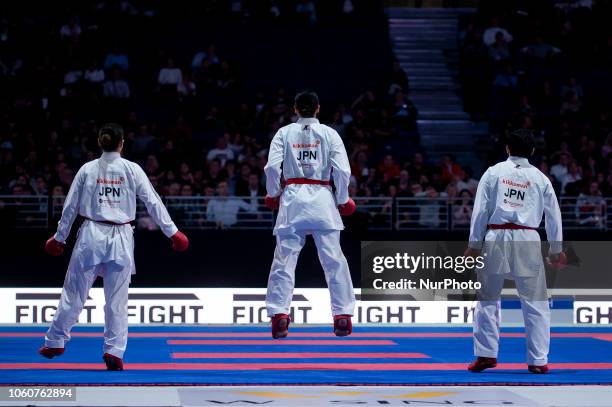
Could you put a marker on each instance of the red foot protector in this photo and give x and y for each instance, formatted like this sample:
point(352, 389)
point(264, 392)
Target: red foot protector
point(482, 363)
point(538, 369)
point(280, 325)
point(112, 362)
point(50, 353)
point(343, 326)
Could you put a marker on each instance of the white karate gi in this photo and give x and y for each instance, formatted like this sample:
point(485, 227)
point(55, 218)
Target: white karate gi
point(514, 192)
point(308, 149)
point(104, 190)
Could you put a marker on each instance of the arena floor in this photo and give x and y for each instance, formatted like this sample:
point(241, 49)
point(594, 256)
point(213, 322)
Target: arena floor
point(374, 366)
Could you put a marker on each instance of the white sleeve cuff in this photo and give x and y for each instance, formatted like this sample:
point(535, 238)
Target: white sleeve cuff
point(59, 238)
point(475, 244)
point(170, 230)
point(555, 247)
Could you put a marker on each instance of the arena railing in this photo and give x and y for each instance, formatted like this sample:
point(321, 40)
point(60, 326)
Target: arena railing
point(454, 214)
point(24, 211)
point(375, 213)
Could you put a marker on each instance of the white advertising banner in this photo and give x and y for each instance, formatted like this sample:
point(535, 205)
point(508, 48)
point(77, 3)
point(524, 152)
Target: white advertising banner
point(221, 306)
point(593, 312)
point(247, 306)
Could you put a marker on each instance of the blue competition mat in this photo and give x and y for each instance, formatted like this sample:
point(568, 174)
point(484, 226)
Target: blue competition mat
point(243, 355)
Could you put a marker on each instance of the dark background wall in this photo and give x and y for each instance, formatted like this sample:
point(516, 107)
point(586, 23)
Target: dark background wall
point(215, 258)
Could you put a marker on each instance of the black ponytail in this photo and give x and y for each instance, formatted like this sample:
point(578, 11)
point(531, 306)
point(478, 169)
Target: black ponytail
point(110, 137)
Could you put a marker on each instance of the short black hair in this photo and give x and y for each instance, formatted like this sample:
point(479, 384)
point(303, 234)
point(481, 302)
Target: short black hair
point(110, 136)
point(306, 103)
point(521, 143)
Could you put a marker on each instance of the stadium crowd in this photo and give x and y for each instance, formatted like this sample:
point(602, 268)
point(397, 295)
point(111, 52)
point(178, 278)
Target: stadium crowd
point(546, 66)
point(197, 132)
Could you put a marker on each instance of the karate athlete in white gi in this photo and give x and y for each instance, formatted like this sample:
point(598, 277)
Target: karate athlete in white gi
point(104, 193)
point(511, 198)
point(307, 155)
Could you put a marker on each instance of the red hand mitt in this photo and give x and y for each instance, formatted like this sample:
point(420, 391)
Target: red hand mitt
point(53, 247)
point(180, 243)
point(348, 208)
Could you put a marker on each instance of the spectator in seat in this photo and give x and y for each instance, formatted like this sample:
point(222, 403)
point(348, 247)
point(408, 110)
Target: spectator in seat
point(225, 76)
point(223, 209)
point(210, 56)
point(449, 168)
point(405, 113)
point(238, 145)
point(40, 186)
point(72, 30)
point(183, 209)
point(215, 173)
point(573, 175)
point(572, 104)
point(185, 174)
point(573, 86)
point(306, 10)
point(174, 189)
point(142, 140)
point(590, 206)
point(499, 49)
point(488, 37)
point(94, 74)
point(360, 166)
point(559, 170)
point(462, 213)
point(116, 87)
point(222, 152)
point(418, 170)
point(539, 50)
point(73, 75)
point(152, 165)
point(242, 179)
point(467, 181)
point(187, 88)
point(255, 189)
point(116, 59)
point(170, 75)
point(404, 184)
point(545, 169)
point(186, 190)
point(430, 207)
point(505, 80)
point(389, 169)
point(338, 124)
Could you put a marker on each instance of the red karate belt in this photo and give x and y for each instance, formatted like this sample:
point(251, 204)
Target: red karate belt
point(108, 222)
point(307, 181)
point(511, 226)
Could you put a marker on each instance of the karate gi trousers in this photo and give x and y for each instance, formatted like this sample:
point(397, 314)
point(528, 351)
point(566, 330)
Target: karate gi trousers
point(513, 254)
point(282, 273)
point(105, 251)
